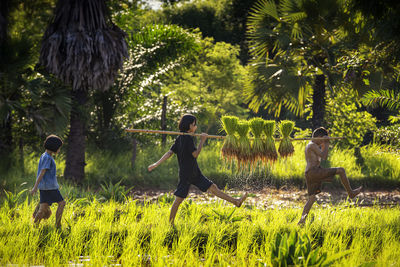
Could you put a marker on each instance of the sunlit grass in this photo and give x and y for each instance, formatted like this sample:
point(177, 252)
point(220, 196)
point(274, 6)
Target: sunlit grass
point(134, 233)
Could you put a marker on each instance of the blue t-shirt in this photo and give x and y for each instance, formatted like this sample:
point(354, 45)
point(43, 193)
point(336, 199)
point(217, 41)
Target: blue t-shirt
point(49, 180)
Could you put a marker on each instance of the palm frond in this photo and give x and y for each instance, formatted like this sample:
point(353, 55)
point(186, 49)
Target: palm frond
point(385, 98)
point(289, 6)
point(273, 86)
point(262, 9)
point(296, 31)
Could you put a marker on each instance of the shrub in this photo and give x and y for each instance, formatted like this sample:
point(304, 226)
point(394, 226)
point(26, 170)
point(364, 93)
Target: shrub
point(345, 118)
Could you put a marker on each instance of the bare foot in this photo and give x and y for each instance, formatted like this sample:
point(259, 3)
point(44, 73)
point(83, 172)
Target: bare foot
point(241, 200)
point(355, 192)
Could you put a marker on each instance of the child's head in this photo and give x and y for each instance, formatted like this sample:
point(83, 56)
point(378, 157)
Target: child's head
point(53, 143)
point(320, 132)
point(187, 122)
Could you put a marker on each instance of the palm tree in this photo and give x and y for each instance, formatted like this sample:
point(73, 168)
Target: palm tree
point(294, 46)
point(84, 49)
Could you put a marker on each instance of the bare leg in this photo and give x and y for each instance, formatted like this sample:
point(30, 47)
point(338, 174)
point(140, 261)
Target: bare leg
point(174, 209)
point(48, 213)
point(60, 210)
point(215, 190)
point(345, 181)
point(307, 208)
point(43, 209)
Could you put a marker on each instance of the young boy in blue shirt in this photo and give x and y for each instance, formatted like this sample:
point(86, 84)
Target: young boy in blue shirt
point(46, 182)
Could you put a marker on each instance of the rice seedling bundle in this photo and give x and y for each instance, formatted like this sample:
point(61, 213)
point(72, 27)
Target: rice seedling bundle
point(243, 154)
point(229, 124)
point(286, 147)
point(257, 127)
point(270, 153)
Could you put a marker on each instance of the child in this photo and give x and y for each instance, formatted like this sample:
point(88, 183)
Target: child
point(46, 182)
point(189, 171)
point(315, 174)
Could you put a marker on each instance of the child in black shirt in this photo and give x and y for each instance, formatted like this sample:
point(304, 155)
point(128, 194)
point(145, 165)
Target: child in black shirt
point(189, 171)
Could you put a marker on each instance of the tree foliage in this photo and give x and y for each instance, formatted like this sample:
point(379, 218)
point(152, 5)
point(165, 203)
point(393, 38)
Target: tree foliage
point(292, 42)
point(345, 117)
point(212, 86)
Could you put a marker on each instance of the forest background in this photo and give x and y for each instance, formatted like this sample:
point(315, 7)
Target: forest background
point(318, 63)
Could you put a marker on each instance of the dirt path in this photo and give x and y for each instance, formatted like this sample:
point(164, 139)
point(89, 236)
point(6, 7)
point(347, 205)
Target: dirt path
point(286, 198)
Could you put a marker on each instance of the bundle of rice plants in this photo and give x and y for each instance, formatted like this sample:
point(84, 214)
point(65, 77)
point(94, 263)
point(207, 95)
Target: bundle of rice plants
point(257, 127)
point(229, 124)
point(286, 147)
point(270, 153)
point(244, 148)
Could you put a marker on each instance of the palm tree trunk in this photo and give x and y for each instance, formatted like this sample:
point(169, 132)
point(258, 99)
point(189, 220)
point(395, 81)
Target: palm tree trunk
point(318, 106)
point(75, 162)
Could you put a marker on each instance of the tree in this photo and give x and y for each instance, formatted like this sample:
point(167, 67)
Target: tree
point(295, 46)
point(223, 20)
point(155, 50)
point(83, 48)
point(210, 87)
point(31, 104)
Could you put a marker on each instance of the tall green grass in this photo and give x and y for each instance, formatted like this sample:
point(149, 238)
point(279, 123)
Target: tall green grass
point(134, 234)
point(377, 170)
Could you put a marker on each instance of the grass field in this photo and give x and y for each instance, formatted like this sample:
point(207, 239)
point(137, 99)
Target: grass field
point(379, 170)
point(137, 233)
point(98, 231)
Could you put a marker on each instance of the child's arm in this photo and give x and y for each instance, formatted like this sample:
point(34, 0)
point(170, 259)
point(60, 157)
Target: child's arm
point(325, 149)
point(202, 140)
point(323, 154)
point(163, 158)
point(35, 187)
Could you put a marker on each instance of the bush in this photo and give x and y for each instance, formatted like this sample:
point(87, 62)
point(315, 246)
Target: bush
point(344, 118)
point(389, 135)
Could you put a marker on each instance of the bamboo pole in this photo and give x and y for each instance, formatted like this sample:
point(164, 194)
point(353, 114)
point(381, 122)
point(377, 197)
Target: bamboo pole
point(219, 136)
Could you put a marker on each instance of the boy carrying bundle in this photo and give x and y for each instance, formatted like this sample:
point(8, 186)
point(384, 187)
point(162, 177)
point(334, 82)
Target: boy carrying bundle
point(189, 171)
point(316, 150)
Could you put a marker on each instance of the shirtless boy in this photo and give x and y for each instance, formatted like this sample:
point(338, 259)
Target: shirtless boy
point(316, 150)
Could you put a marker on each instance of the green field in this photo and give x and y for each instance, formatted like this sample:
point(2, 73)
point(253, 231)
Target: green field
point(98, 231)
point(209, 234)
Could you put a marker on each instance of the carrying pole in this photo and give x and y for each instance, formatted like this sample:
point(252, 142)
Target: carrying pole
point(220, 136)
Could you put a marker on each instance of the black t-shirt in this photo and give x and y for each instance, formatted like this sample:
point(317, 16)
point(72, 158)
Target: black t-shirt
point(183, 148)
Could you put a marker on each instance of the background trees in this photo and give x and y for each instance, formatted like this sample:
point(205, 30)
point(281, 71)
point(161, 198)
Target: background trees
point(295, 47)
point(318, 62)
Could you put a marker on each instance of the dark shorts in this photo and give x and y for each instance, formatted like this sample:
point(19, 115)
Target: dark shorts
point(50, 196)
point(184, 185)
point(316, 176)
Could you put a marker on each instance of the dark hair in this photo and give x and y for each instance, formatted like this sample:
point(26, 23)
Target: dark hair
point(185, 121)
point(320, 132)
point(53, 143)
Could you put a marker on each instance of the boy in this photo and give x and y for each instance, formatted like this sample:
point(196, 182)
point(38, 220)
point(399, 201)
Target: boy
point(189, 171)
point(315, 174)
point(46, 182)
